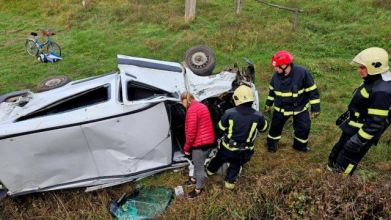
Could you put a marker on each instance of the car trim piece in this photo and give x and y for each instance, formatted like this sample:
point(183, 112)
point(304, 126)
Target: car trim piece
point(107, 86)
point(99, 178)
point(149, 65)
point(92, 78)
point(139, 177)
point(130, 75)
point(77, 124)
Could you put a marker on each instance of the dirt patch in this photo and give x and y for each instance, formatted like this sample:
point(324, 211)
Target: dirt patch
point(382, 4)
point(12, 31)
point(385, 166)
point(12, 42)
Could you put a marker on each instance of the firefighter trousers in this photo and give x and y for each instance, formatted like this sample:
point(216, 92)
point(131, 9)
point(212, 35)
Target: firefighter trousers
point(342, 160)
point(301, 126)
point(236, 160)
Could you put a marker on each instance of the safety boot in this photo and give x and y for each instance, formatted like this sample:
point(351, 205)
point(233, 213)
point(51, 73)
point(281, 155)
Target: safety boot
point(304, 149)
point(271, 148)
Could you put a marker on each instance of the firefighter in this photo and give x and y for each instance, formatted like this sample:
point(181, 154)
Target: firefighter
point(293, 91)
point(239, 126)
point(368, 114)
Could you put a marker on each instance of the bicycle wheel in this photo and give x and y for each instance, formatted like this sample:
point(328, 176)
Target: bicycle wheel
point(53, 47)
point(31, 47)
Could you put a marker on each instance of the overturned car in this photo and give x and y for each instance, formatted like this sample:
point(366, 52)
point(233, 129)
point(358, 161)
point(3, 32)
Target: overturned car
point(108, 129)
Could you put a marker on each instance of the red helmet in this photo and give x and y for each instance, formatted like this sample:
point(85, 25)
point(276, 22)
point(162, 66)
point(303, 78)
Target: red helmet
point(281, 57)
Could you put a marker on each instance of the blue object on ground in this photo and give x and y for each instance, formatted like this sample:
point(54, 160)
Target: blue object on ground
point(144, 203)
point(53, 57)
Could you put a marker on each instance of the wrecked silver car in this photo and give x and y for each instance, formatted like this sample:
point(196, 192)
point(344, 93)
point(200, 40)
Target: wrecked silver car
point(108, 129)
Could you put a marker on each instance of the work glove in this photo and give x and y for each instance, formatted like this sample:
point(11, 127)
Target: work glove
point(266, 110)
point(354, 144)
point(315, 114)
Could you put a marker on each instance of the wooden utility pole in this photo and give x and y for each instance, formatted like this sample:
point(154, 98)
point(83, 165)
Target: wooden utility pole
point(190, 10)
point(239, 6)
point(296, 17)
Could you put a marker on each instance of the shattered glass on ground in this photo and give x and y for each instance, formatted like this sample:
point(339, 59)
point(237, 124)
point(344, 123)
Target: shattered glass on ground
point(144, 203)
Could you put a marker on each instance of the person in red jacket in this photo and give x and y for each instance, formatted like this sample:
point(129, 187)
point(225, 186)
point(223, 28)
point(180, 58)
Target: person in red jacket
point(199, 138)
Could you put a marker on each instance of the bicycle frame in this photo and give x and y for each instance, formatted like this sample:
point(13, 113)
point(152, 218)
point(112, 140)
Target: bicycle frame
point(39, 44)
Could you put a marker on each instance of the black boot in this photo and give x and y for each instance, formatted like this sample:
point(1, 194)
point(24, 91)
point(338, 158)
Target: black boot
point(304, 149)
point(271, 148)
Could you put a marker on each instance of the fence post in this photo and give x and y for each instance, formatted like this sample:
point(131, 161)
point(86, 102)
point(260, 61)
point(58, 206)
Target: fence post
point(296, 17)
point(190, 10)
point(239, 6)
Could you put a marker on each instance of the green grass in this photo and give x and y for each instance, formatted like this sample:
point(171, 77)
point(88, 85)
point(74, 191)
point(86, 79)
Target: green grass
point(285, 185)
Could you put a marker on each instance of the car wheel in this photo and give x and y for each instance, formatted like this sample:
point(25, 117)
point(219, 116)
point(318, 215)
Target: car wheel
point(52, 83)
point(200, 59)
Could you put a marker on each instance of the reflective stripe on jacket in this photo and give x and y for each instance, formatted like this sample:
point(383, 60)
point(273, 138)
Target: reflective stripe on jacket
point(293, 93)
point(240, 124)
point(369, 110)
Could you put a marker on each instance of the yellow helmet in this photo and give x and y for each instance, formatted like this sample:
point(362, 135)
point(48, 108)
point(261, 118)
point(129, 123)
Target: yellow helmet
point(242, 95)
point(374, 58)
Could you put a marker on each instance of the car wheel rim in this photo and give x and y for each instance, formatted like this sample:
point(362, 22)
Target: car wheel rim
point(199, 60)
point(53, 82)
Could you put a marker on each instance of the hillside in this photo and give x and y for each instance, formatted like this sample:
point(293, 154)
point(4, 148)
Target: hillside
point(284, 185)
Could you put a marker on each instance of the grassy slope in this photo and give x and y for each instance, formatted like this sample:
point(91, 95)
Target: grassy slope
point(283, 185)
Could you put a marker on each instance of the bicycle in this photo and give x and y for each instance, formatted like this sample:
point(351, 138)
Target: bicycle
point(34, 47)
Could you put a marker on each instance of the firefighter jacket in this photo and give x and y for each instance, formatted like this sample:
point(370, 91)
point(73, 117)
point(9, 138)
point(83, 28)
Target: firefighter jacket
point(198, 126)
point(294, 93)
point(240, 125)
point(369, 110)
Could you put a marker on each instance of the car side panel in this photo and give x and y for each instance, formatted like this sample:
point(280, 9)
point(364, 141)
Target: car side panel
point(131, 143)
point(44, 159)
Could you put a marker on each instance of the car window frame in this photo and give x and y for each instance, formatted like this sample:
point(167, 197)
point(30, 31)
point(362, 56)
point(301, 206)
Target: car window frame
point(109, 93)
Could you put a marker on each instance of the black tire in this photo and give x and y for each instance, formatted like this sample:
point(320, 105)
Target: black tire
point(31, 47)
point(53, 47)
point(200, 59)
point(52, 83)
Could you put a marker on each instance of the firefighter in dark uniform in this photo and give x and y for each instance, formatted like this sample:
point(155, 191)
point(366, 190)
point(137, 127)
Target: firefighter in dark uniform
point(239, 126)
point(368, 114)
point(292, 90)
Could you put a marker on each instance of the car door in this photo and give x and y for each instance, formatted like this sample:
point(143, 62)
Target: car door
point(52, 151)
point(136, 141)
point(139, 139)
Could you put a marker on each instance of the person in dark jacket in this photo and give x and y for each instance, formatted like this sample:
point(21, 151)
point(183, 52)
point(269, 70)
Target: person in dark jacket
point(292, 90)
point(199, 138)
point(240, 125)
point(368, 114)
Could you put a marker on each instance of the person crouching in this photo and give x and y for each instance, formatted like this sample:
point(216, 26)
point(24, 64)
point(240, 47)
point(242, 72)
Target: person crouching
point(239, 125)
